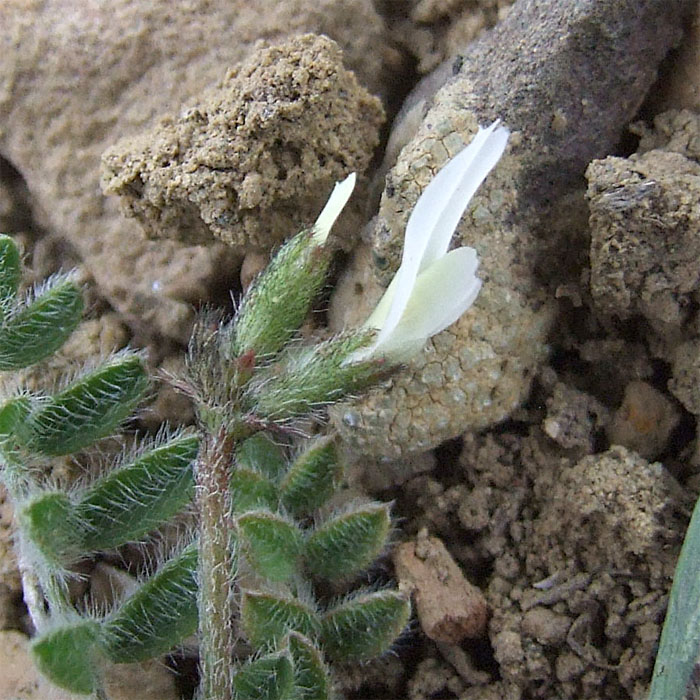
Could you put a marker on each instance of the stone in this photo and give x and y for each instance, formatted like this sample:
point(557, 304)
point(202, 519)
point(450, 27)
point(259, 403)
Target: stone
point(252, 160)
point(565, 106)
point(645, 235)
point(77, 77)
point(449, 607)
point(644, 421)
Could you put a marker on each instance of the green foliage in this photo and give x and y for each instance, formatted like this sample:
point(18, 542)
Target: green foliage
point(679, 648)
point(91, 408)
point(158, 615)
point(250, 379)
point(10, 271)
point(311, 675)
point(267, 618)
point(130, 502)
point(348, 543)
point(35, 328)
point(67, 655)
point(280, 297)
point(307, 378)
point(312, 478)
point(271, 543)
point(49, 522)
point(364, 626)
point(269, 677)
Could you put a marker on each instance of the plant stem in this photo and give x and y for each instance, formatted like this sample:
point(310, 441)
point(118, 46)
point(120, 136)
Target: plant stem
point(216, 566)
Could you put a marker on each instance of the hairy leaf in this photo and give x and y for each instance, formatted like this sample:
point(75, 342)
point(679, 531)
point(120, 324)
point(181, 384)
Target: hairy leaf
point(10, 269)
point(158, 616)
point(128, 503)
point(67, 656)
point(40, 328)
point(348, 543)
point(364, 626)
point(271, 544)
point(267, 618)
point(269, 677)
point(89, 409)
point(311, 478)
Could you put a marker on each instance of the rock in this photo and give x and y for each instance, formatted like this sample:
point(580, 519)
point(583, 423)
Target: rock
point(546, 626)
point(449, 607)
point(253, 159)
point(644, 422)
point(433, 31)
point(613, 506)
point(645, 235)
point(565, 107)
point(679, 84)
point(77, 77)
point(685, 383)
point(595, 541)
point(574, 418)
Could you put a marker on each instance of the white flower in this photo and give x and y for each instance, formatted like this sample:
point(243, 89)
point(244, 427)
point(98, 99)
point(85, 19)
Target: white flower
point(433, 287)
point(338, 199)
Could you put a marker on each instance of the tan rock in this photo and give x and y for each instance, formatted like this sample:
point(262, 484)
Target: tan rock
point(477, 372)
point(644, 421)
point(253, 159)
point(75, 77)
point(449, 607)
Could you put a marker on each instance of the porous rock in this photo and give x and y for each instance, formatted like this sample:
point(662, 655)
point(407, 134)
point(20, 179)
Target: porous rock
point(565, 106)
point(75, 77)
point(254, 158)
point(592, 545)
point(645, 235)
point(574, 418)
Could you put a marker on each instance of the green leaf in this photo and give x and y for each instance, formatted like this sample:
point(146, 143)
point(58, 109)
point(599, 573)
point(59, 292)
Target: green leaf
point(348, 543)
point(279, 299)
point(364, 626)
point(269, 677)
point(158, 616)
point(67, 656)
point(267, 618)
point(679, 647)
point(312, 477)
point(262, 454)
point(89, 409)
point(40, 328)
point(251, 490)
point(126, 504)
point(13, 413)
point(311, 677)
point(307, 378)
point(10, 269)
point(271, 544)
point(49, 521)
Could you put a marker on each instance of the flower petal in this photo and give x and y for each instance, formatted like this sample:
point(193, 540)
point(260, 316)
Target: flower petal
point(441, 294)
point(438, 211)
point(450, 191)
point(338, 199)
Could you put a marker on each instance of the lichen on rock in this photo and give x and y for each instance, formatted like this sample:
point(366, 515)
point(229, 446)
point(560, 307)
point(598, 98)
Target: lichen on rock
point(475, 373)
point(252, 158)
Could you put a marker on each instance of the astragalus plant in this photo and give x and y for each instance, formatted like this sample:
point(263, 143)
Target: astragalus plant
point(254, 580)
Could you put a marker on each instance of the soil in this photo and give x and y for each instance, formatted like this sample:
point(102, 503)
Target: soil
point(543, 454)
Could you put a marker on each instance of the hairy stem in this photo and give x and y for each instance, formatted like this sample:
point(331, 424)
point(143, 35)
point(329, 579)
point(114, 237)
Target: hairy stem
point(216, 564)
